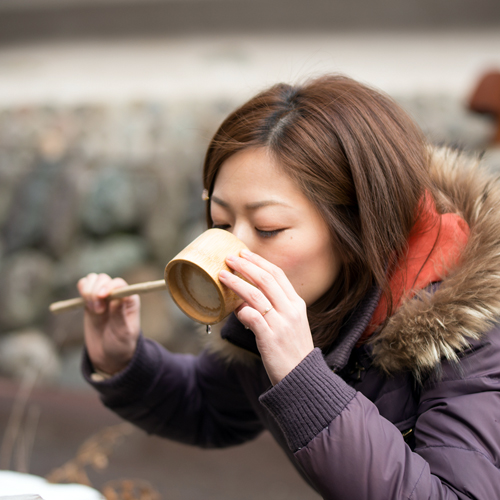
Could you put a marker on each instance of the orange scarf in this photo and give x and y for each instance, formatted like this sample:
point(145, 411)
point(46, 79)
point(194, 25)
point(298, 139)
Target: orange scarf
point(434, 247)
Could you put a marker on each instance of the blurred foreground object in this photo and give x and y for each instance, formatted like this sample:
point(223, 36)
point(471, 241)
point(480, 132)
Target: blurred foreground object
point(22, 497)
point(486, 99)
point(94, 453)
point(29, 486)
point(29, 350)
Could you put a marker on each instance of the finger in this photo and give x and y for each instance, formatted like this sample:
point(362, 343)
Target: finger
point(106, 287)
point(264, 280)
point(252, 319)
point(123, 302)
point(99, 283)
point(103, 287)
point(97, 299)
point(85, 284)
point(275, 271)
point(249, 293)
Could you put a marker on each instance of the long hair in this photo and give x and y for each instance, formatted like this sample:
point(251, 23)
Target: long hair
point(358, 158)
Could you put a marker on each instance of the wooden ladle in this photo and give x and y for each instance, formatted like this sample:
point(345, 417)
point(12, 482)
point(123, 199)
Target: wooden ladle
point(118, 293)
point(192, 277)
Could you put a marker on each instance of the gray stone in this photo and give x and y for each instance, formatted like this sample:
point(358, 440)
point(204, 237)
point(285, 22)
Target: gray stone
point(60, 221)
point(70, 372)
point(112, 256)
point(66, 330)
point(26, 216)
point(6, 194)
point(157, 315)
point(179, 206)
point(162, 227)
point(118, 200)
point(492, 158)
point(29, 352)
point(446, 120)
point(25, 293)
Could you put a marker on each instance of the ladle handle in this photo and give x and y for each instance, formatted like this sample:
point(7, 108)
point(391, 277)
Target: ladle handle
point(118, 293)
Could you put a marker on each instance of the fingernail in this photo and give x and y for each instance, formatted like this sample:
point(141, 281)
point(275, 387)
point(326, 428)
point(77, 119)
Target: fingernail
point(232, 258)
point(102, 292)
point(245, 253)
point(224, 274)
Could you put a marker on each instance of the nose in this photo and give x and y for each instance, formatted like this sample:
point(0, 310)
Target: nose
point(244, 234)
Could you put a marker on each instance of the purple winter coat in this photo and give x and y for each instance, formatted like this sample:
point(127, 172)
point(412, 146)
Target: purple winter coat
point(414, 414)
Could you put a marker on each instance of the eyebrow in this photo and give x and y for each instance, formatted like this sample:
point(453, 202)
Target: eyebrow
point(252, 206)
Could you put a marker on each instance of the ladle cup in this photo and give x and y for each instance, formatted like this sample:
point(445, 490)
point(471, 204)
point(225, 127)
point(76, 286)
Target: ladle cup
point(192, 277)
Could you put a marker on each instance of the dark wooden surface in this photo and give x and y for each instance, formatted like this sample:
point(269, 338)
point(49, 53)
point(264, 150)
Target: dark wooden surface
point(258, 470)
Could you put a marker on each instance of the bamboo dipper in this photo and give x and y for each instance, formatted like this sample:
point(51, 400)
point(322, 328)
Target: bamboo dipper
point(192, 277)
point(118, 293)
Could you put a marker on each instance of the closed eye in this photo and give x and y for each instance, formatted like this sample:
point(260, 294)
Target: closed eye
point(225, 227)
point(269, 234)
point(262, 232)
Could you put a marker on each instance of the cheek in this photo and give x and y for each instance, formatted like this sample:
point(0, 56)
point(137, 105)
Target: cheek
point(293, 266)
point(306, 266)
point(311, 269)
point(284, 253)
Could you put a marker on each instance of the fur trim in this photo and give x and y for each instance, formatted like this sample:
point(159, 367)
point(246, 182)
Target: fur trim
point(440, 325)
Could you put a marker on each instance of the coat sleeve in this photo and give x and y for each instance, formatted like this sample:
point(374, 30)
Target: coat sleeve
point(192, 399)
point(349, 450)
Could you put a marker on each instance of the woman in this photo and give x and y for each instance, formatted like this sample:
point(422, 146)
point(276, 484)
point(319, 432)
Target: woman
point(369, 346)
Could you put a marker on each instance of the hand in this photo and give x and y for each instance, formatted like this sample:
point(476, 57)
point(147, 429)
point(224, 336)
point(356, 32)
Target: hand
point(111, 327)
point(273, 310)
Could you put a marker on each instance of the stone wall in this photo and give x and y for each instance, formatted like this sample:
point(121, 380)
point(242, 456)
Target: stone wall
point(117, 189)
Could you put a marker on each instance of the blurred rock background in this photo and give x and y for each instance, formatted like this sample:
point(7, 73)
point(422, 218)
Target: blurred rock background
point(116, 189)
point(106, 108)
point(95, 188)
point(104, 122)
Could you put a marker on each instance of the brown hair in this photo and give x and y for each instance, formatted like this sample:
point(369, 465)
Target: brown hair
point(357, 156)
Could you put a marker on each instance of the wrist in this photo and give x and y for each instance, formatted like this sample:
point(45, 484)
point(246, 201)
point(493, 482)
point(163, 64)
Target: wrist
point(100, 376)
point(307, 400)
point(277, 374)
point(108, 366)
point(112, 367)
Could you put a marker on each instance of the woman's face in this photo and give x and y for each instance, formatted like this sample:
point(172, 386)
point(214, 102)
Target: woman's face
point(265, 209)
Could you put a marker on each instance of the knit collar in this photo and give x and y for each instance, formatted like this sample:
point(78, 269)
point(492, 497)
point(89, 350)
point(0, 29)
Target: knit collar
point(338, 355)
point(234, 332)
point(352, 329)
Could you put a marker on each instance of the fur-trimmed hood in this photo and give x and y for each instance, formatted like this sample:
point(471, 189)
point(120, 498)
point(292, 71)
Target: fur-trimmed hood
point(438, 325)
point(467, 303)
